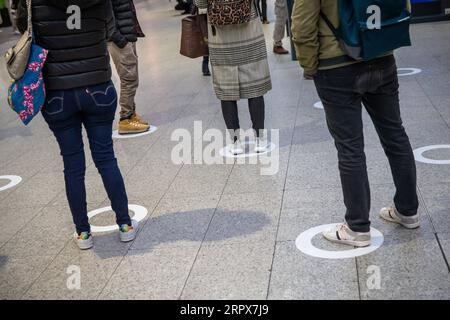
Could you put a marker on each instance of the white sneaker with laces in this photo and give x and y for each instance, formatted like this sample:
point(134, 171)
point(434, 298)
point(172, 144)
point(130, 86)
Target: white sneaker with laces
point(128, 233)
point(83, 240)
point(261, 145)
point(343, 234)
point(237, 148)
point(392, 215)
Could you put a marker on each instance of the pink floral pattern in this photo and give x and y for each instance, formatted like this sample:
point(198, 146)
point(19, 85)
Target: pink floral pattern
point(25, 91)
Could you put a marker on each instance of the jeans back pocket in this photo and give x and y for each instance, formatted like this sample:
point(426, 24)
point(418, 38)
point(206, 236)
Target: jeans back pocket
point(103, 95)
point(54, 103)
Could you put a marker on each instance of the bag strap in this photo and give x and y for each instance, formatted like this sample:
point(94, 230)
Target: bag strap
point(330, 24)
point(30, 12)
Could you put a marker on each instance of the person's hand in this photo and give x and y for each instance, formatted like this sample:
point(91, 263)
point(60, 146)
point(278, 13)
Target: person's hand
point(308, 76)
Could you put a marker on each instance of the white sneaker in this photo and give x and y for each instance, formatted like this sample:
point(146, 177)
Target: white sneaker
point(392, 215)
point(343, 234)
point(237, 148)
point(83, 240)
point(261, 145)
point(128, 233)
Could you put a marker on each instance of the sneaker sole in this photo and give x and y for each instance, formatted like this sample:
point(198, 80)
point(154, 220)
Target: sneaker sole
point(406, 225)
point(85, 246)
point(133, 132)
point(359, 244)
point(236, 153)
point(128, 238)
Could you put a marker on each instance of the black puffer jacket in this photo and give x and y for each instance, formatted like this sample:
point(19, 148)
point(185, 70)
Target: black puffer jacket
point(76, 58)
point(127, 26)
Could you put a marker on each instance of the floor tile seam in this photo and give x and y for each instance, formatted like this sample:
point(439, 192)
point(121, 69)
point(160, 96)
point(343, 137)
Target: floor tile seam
point(282, 198)
point(45, 269)
point(204, 236)
point(434, 106)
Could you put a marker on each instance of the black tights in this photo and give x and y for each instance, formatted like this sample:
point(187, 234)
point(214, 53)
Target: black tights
point(257, 113)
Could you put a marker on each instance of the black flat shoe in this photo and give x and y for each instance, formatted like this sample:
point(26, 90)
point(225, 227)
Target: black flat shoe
point(205, 69)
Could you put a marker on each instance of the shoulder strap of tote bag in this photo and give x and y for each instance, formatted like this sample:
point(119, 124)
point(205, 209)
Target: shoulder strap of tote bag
point(29, 17)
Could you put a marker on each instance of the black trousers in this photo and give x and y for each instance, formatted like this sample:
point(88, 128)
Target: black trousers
point(257, 114)
point(262, 4)
point(343, 91)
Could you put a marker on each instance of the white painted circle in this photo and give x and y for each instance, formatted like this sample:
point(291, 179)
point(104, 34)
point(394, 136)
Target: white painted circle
point(139, 214)
point(408, 71)
point(318, 105)
point(13, 181)
point(116, 134)
point(225, 152)
point(304, 244)
point(418, 154)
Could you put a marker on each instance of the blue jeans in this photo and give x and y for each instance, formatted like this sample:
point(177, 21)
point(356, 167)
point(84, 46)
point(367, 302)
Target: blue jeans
point(65, 111)
point(343, 91)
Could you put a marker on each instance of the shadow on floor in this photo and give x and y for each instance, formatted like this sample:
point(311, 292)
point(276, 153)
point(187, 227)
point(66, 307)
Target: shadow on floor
point(187, 226)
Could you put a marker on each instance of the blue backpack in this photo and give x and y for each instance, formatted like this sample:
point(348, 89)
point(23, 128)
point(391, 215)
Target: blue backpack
point(370, 28)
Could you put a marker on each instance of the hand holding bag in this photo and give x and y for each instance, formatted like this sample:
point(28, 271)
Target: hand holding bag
point(17, 57)
point(194, 36)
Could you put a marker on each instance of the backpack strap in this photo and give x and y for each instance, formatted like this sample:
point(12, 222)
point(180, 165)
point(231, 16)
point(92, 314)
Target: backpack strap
point(329, 23)
point(352, 52)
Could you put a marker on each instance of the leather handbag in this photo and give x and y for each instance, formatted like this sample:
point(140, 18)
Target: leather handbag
point(194, 36)
point(17, 56)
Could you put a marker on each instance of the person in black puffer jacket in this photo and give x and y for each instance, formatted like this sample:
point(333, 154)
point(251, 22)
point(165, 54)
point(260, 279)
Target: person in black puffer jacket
point(122, 47)
point(76, 57)
point(80, 93)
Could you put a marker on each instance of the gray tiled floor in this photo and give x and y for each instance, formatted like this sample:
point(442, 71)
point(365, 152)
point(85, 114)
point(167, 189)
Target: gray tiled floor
point(226, 231)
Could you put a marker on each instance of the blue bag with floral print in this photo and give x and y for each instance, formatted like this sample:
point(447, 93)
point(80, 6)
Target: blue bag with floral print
point(26, 96)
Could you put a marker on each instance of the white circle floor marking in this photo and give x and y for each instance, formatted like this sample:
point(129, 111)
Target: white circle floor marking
point(409, 71)
point(116, 134)
point(304, 244)
point(13, 181)
point(418, 154)
point(225, 152)
point(318, 105)
point(139, 214)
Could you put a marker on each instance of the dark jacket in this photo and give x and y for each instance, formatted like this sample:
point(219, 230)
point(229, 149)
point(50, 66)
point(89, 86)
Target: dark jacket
point(76, 58)
point(127, 25)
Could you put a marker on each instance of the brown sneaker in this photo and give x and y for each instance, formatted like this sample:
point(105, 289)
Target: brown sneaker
point(280, 50)
point(135, 117)
point(129, 126)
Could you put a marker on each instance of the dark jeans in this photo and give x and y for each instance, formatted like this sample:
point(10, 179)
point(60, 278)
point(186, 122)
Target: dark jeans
point(94, 107)
point(374, 84)
point(256, 107)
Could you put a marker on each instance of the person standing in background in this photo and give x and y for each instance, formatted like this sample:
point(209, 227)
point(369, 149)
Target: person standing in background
point(13, 12)
point(240, 70)
point(122, 47)
point(262, 7)
point(5, 20)
point(281, 15)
